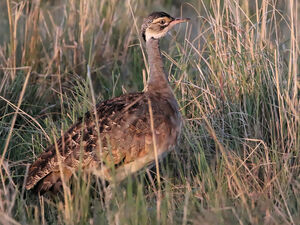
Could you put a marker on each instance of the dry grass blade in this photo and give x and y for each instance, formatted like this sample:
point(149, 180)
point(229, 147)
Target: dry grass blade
point(236, 78)
point(15, 117)
point(158, 201)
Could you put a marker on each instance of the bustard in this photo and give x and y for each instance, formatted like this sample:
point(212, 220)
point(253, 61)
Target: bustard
point(121, 135)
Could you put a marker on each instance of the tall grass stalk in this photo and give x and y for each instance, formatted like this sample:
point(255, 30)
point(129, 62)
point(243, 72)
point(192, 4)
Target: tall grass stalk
point(234, 69)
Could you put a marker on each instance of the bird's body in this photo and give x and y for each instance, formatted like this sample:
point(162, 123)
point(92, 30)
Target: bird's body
point(118, 137)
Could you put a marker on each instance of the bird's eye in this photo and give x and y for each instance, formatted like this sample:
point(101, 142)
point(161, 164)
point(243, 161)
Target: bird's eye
point(162, 22)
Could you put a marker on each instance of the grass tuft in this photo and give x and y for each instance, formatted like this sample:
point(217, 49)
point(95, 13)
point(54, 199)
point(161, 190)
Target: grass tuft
point(234, 69)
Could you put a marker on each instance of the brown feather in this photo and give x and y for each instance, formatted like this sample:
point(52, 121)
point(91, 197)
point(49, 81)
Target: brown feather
point(124, 126)
point(119, 136)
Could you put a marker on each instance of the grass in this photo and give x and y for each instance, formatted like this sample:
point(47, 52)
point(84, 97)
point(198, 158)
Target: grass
point(234, 70)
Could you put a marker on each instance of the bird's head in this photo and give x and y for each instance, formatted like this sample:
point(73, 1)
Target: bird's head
point(157, 25)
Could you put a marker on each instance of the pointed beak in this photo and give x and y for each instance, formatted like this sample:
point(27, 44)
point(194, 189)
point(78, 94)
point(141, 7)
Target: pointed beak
point(176, 21)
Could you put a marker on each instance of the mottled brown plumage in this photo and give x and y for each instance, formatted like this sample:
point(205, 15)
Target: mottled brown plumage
point(123, 138)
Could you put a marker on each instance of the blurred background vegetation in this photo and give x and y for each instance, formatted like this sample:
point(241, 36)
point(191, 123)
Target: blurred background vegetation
point(234, 69)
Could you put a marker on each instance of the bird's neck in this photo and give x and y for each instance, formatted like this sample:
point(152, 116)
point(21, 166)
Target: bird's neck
point(158, 81)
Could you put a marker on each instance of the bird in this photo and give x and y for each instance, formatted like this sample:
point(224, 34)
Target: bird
point(121, 135)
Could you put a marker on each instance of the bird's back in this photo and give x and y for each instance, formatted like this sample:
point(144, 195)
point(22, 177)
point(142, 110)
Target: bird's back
point(123, 140)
